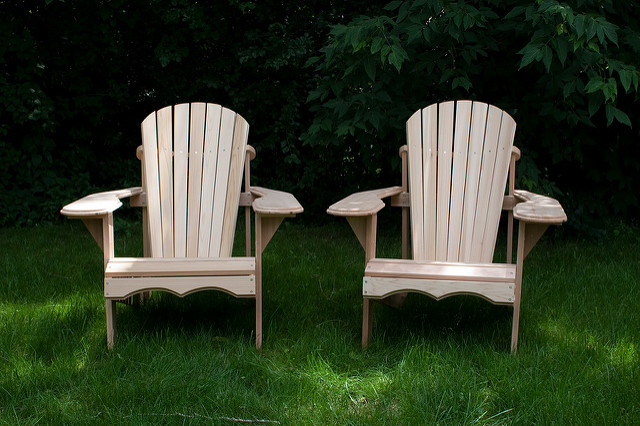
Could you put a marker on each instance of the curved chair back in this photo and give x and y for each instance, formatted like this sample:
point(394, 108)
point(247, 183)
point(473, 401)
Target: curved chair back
point(458, 155)
point(192, 165)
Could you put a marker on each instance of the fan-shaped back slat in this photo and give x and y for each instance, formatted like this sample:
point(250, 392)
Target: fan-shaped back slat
point(165, 168)
point(196, 147)
point(180, 177)
point(416, 183)
point(236, 165)
point(474, 163)
point(458, 162)
point(443, 197)
point(193, 157)
point(209, 167)
point(459, 175)
point(227, 125)
point(151, 180)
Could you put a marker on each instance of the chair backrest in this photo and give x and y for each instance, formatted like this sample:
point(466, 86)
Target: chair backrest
point(192, 165)
point(458, 156)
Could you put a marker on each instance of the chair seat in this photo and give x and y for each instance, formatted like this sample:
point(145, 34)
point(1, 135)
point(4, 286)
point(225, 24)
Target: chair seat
point(175, 266)
point(494, 282)
point(180, 276)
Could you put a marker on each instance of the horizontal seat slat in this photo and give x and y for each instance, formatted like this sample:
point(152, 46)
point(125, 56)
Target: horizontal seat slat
point(499, 293)
point(400, 268)
point(123, 287)
point(184, 267)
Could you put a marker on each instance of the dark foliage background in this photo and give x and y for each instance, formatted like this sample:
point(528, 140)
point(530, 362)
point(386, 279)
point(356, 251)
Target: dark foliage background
point(326, 86)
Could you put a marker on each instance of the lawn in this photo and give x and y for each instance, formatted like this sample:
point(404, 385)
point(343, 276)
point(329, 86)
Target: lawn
point(192, 360)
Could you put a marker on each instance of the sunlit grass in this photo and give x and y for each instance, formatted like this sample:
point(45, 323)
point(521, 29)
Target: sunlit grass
point(193, 359)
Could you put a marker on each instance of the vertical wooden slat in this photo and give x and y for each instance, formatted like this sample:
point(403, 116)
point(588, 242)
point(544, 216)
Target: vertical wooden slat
point(165, 169)
point(247, 209)
point(511, 183)
point(445, 144)
point(196, 146)
point(238, 152)
point(494, 117)
point(225, 143)
point(405, 210)
point(429, 180)
point(474, 163)
point(150, 165)
point(180, 161)
point(210, 162)
point(414, 145)
point(458, 180)
point(498, 186)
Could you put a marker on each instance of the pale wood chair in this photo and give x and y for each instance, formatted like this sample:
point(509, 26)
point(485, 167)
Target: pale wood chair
point(458, 171)
point(193, 157)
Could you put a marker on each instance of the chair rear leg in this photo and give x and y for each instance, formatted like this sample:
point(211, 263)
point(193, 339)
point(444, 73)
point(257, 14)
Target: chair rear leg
point(367, 321)
point(258, 319)
point(111, 322)
point(514, 328)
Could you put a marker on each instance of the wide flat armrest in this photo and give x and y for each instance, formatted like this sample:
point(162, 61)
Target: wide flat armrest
point(363, 203)
point(99, 203)
point(273, 202)
point(537, 208)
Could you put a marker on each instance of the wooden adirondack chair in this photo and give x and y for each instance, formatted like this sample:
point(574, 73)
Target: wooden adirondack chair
point(455, 167)
point(193, 157)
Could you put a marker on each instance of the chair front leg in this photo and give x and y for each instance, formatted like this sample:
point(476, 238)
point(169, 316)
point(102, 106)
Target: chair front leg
point(266, 226)
point(365, 228)
point(520, 254)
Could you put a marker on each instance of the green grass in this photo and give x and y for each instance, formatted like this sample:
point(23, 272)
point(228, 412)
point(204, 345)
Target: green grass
point(193, 360)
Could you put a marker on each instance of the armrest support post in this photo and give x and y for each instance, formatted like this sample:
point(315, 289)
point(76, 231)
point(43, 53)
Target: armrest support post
point(365, 228)
point(101, 229)
point(405, 209)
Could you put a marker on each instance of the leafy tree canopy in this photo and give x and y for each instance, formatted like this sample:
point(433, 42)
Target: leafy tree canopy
point(327, 86)
point(567, 72)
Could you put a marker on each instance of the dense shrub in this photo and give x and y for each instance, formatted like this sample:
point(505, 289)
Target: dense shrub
point(77, 78)
point(566, 72)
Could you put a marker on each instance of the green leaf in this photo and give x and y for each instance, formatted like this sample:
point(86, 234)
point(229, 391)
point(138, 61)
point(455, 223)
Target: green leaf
point(395, 59)
point(414, 32)
point(578, 24)
point(374, 119)
point(569, 88)
point(393, 5)
point(376, 44)
point(461, 82)
point(610, 31)
point(626, 77)
point(591, 28)
point(594, 85)
point(383, 96)
point(403, 12)
point(547, 56)
point(516, 11)
point(426, 33)
point(529, 54)
point(562, 48)
point(312, 61)
point(384, 53)
point(313, 95)
point(600, 32)
point(349, 70)
point(610, 89)
point(370, 68)
point(595, 102)
point(614, 113)
point(446, 75)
